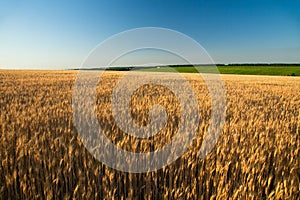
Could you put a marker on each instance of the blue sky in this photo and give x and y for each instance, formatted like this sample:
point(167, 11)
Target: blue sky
point(60, 34)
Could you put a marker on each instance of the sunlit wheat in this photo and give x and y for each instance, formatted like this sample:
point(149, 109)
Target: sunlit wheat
point(256, 157)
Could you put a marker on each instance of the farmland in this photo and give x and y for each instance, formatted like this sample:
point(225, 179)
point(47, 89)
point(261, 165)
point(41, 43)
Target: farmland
point(277, 70)
point(256, 157)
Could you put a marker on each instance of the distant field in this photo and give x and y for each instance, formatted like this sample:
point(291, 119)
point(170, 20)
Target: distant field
point(249, 70)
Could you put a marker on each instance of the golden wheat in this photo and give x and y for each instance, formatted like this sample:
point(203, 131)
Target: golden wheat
point(256, 157)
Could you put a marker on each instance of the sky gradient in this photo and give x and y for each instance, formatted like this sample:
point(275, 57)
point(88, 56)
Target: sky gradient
point(60, 34)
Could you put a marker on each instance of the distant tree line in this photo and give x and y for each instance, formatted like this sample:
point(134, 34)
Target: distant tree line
point(128, 68)
point(260, 64)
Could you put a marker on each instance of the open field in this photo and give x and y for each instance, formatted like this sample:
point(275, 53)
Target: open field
point(256, 157)
point(249, 70)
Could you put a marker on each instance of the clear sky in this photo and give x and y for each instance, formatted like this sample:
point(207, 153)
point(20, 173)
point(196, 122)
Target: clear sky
point(60, 33)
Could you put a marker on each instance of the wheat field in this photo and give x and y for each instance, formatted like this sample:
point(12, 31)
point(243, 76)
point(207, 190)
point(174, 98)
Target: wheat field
point(256, 157)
